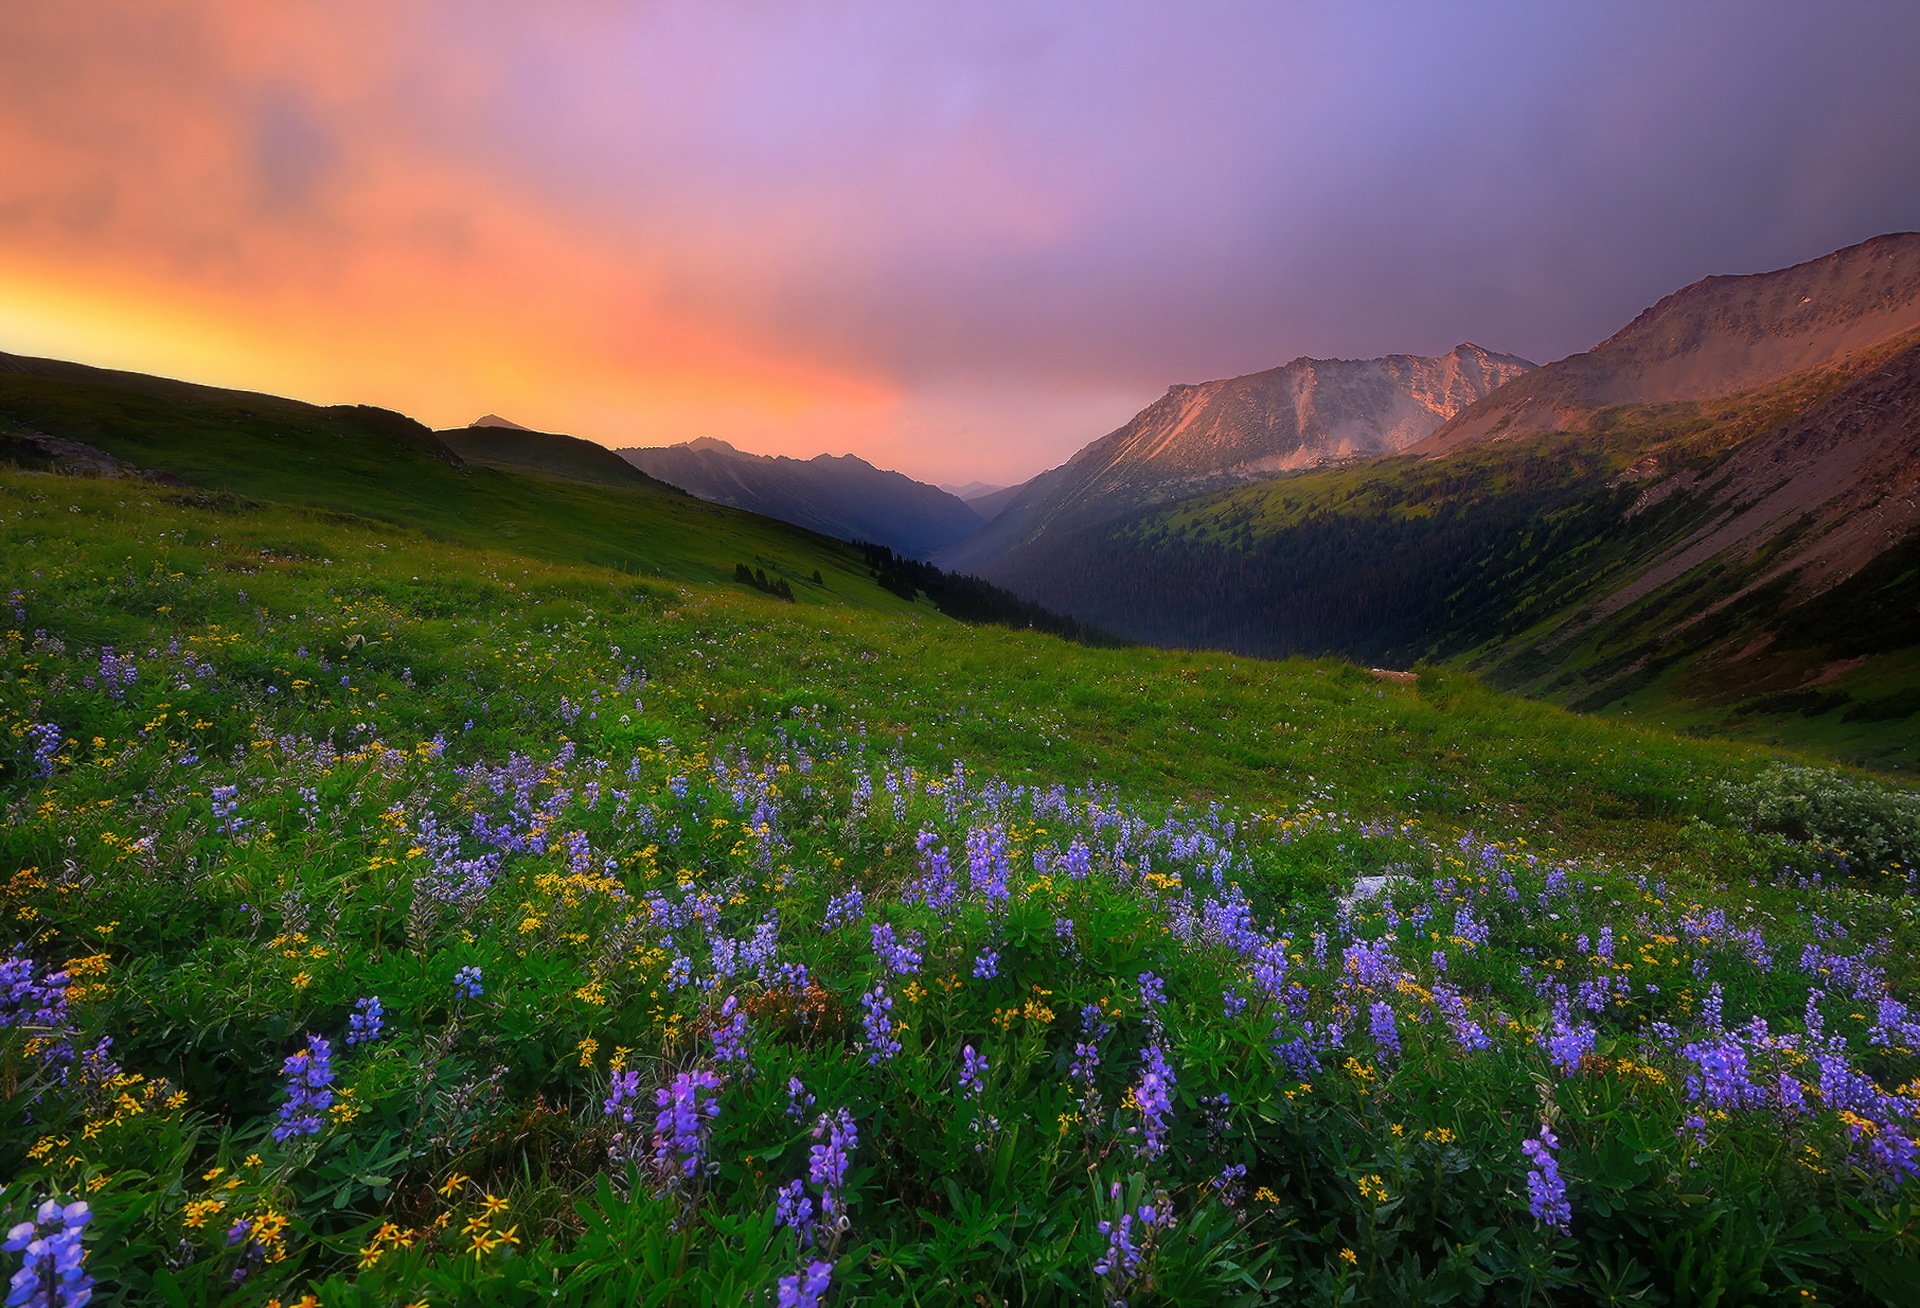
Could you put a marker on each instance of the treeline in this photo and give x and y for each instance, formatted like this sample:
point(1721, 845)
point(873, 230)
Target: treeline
point(757, 578)
point(1379, 587)
point(970, 599)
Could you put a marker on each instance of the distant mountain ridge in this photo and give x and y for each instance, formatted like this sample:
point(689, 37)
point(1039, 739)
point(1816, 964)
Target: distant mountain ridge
point(1715, 513)
point(1198, 438)
point(1716, 337)
point(838, 495)
point(992, 504)
point(509, 445)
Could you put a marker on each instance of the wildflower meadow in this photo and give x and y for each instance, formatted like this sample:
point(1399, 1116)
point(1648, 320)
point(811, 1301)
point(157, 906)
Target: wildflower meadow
point(419, 925)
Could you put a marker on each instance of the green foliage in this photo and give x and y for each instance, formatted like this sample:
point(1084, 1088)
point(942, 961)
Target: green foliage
point(1873, 827)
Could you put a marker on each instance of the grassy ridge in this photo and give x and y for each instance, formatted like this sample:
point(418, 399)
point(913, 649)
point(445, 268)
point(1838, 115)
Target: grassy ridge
point(387, 470)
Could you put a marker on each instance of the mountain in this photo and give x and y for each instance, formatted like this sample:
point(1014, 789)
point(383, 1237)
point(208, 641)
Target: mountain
point(1744, 558)
point(1304, 414)
point(972, 490)
point(495, 420)
point(1717, 337)
point(842, 496)
point(504, 444)
point(991, 504)
point(216, 451)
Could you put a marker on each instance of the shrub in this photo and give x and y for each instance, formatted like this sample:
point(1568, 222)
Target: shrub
point(1872, 826)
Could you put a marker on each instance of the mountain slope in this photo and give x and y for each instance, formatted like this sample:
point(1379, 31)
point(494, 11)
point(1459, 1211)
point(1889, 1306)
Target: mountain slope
point(508, 445)
point(1717, 337)
point(388, 471)
point(1303, 414)
point(1747, 563)
point(992, 504)
point(842, 496)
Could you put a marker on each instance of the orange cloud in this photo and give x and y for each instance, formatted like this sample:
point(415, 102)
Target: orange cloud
point(234, 196)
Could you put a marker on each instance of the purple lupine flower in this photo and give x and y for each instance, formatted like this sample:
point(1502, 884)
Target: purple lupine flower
point(1711, 1009)
point(1270, 964)
point(1154, 1094)
point(848, 907)
point(679, 972)
point(986, 965)
point(987, 864)
point(624, 1096)
point(1793, 1098)
point(1894, 1027)
point(1086, 1050)
point(793, 1209)
point(1891, 1151)
point(1386, 1032)
point(309, 1076)
point(1153, 991)
point(117, 672)
point(467, 983)
point(1546, 1191)
point(901, 957)
point(685, 1119)
point(46, 740)
point(30, 998)
point(973, 1067)
point(827, 1161)
point(1296, 1054)
point(1230, 1184)
point(1369, 963)
point(730, 1039)
point(225, 801)
point(799, 1099)
point(1129, 1243)
point(878, 1026)
point(806, 1287)
point(368, 1021)
point(53, 1272)
point(1470, 1035)
point(1722, 1081)
point(1566, 1041)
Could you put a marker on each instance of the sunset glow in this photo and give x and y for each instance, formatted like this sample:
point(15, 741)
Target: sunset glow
point(959, 242)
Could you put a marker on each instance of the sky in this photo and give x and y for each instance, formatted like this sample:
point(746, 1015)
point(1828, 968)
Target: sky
point(957, 239)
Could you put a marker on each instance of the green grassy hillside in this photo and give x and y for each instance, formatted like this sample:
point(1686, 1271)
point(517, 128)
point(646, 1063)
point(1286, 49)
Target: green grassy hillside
point(381, 468)
point(398, 909)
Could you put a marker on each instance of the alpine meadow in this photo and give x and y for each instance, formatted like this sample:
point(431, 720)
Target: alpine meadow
point(1425, 827)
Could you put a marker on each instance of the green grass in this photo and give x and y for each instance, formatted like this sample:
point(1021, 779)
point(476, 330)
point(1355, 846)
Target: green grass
point(369, 739)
